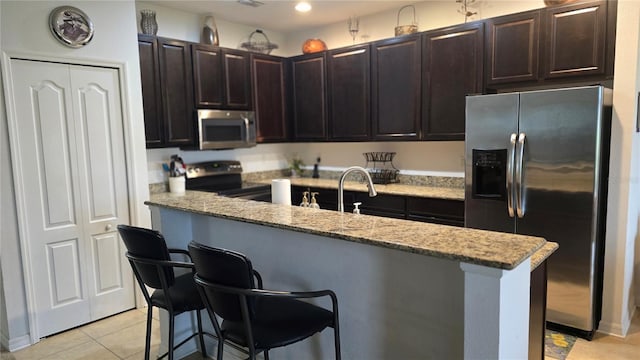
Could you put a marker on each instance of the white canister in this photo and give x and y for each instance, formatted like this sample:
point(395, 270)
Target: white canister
point(176, 184)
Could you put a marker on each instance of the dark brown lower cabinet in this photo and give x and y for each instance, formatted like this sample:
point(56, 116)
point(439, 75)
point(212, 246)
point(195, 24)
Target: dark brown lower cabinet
point(438, 211)
point(390, 206)
point(432, 210)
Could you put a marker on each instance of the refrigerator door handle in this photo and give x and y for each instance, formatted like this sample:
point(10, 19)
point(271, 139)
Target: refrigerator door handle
point(511, 156)
point(520, 204)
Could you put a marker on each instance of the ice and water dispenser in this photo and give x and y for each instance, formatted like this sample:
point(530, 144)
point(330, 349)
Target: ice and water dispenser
point(489, 174)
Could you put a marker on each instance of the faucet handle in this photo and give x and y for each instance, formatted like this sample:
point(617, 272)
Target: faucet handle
point(356, 209)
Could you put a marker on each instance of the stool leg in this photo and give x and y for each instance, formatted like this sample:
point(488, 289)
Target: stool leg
point(171, 329)
point(147, 341)
point(266, 355)
point(220, 347)
point(203, 349)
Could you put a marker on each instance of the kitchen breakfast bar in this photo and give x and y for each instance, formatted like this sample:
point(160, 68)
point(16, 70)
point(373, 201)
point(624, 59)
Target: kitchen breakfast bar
point(406, 289)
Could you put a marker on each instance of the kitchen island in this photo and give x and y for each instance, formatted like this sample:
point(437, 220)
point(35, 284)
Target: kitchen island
point(405, 289)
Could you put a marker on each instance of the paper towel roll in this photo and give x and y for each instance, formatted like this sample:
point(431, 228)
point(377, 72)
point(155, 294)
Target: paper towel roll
point(281, 191)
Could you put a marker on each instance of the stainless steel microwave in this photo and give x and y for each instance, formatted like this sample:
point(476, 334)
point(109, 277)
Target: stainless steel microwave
point(226, 129)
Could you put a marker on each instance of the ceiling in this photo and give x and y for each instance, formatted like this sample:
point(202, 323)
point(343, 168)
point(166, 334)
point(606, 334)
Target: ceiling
point(279, 15)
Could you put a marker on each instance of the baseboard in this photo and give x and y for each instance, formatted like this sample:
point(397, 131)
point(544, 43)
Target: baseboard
point(617, 329)
point(15, 344)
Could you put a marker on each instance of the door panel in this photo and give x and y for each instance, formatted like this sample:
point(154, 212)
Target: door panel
point(63, 261)
point(559, 184)
point(94, 116)
point(491, 119)
point(104, 189)
point(107, 256)
point(50, 117)
point(49, 165)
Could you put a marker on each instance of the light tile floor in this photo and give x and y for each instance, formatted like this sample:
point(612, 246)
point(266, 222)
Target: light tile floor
point(122, 337)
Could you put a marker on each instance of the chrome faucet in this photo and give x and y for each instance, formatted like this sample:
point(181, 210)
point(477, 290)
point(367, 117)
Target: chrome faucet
point(372, 189)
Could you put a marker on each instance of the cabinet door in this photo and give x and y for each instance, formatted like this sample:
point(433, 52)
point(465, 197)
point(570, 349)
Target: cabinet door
point(391, 206)
point(452, 69)
point(177, 95)
point(309, 97)
point(349, 112)
point(269, 97)
point(151, 93)
point(395, 88)
point(513, 45)
point(575, 40)
point(438, 211)
point(208, 82)
point(237, 80)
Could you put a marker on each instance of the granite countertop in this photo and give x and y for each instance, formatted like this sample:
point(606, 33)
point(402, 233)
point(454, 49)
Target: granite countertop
point(450, 193)
point(542, 254)
point(491, 249)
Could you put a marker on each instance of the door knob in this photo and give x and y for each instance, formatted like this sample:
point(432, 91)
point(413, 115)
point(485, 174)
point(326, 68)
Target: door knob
point(108, 227)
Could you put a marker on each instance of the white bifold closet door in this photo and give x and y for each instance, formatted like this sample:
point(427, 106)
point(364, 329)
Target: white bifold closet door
point(72, 169)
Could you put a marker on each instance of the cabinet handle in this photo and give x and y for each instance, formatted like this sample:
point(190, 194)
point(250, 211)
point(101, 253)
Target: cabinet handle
point(108, 227)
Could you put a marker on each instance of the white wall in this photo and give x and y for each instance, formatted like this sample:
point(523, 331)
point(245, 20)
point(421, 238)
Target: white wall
point(24, 31)
point(417, 158)
point(624, 182)
point(182, 25)
point(429, 15)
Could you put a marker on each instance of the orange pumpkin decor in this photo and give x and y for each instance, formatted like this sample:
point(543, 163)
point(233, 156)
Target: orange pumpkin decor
point(313, 45)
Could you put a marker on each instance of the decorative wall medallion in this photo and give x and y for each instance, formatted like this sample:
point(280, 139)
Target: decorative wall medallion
point(71, 26)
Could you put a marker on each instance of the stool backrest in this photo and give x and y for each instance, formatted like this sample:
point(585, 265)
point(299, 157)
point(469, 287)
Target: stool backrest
point(226, 268)
point(147, 244)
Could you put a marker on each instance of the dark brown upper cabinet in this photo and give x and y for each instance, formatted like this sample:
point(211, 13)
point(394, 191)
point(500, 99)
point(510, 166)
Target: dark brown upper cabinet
point(235, 64)
point(395, 88)
point(221, 78)
point(269, 97)
point(513, 48)
point(208, 80)
point(151, 93)
point(309, 94)
point(348, 74)
point(167, 91)
point(452, 68)
point(575, 40)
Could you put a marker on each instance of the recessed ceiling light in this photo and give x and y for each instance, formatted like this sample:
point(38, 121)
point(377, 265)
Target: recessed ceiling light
point(303, 6)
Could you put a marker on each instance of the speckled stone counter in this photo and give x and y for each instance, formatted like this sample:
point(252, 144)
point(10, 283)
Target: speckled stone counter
point(452, 193)
point(542, 254)
point(491, 249)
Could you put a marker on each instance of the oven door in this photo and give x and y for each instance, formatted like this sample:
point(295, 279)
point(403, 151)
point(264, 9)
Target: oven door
point(220, 129)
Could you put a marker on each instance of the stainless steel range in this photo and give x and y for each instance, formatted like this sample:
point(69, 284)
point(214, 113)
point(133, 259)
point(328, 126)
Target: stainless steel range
point(225, 178)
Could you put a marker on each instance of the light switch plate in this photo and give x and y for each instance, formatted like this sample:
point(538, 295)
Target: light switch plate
point(638, 114)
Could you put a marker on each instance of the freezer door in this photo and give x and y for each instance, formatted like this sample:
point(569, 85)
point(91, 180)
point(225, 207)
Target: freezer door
point(491, 120)
point(559, 192)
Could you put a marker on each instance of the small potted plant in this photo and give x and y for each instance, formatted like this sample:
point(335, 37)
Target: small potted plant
point(296, 166)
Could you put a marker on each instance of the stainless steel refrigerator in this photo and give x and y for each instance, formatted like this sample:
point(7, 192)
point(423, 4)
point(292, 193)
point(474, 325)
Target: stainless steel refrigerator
point(537, 164)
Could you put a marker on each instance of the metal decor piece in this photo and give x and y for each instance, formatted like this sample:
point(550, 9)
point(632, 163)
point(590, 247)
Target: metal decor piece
point(71, 26)
point(260, 46)
point(406, 29)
